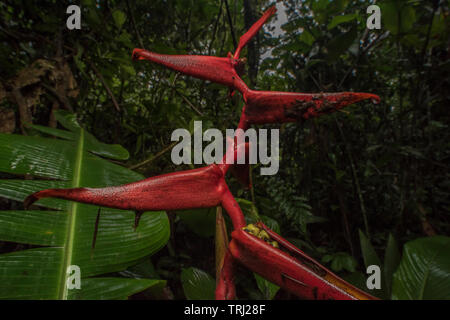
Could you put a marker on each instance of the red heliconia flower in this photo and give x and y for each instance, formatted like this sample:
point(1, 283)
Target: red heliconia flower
point(290, 268)
point(262, 107)
point(215, 69)
point(223, 70)
point(283, 263)
point(197, 188)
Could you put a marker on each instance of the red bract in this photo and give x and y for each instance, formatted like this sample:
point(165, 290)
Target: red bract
point(287, 266)
point(291, 268)
point(282, 269)
point(196, 188)
point(215, 69)
point(225, 71)
point(264, 107)
point(225, 289)
point(172, 191)
point(246, 37)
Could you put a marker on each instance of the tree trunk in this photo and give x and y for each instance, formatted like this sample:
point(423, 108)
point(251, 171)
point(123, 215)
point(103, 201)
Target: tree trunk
point(253, 45)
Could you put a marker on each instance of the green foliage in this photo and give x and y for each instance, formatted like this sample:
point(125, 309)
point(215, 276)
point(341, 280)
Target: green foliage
point(424, 271)
point(391, 262)
point(267, 288)
point(340, 261)
point(197, 284)
point(340, 44)
point(398, 16)
point(200, 221)
point(290, 206)
point(337, 20)
point(66, 231)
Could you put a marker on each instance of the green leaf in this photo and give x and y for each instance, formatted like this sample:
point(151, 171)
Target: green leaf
point(112, 151)
point(54, 159)
point(200, 221)
point(68, 233)
point(371, 258)
point(307, 38)
point(67, 120)
point(341, 19)
point(410, 151)
point(341, 261)
point(398, 16)
point(348, 262)
point(119, 18)
point(267, 288)
point(391, 262)
point(128, 68)
point(197, 284)
point(424, 271)
point(270, 223)
point(338, 45)
point(247, 207)
point(319, 5)
point(369, 255)
point(45, 228)
point(112, 288)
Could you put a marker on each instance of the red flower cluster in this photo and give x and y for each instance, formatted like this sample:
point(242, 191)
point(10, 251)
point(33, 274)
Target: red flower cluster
point(257, 247)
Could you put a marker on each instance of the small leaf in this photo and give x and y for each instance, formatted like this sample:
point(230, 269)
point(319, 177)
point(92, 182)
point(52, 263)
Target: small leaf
point(369, 255)
point(270, 223)
point(267, 288)
point(306, 37)
point(340, 19)
point(371, 258)
point(197, 284)
point(129, 69)
point(391, 262)
point(119, 18)
point(247, 207)
point(410, 151)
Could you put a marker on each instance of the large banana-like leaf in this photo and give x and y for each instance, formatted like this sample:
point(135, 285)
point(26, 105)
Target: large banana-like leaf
point(63, 232)
point(424, 270)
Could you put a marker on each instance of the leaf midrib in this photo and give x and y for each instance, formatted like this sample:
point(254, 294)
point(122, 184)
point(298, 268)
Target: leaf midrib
point(427, 273)
point(72, 216)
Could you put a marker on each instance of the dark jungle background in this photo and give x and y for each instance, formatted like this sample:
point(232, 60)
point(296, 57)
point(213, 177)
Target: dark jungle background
point(349, 183)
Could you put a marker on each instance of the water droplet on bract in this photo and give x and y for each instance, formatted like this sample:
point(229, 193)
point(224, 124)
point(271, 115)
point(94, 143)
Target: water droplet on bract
point(375, 101)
